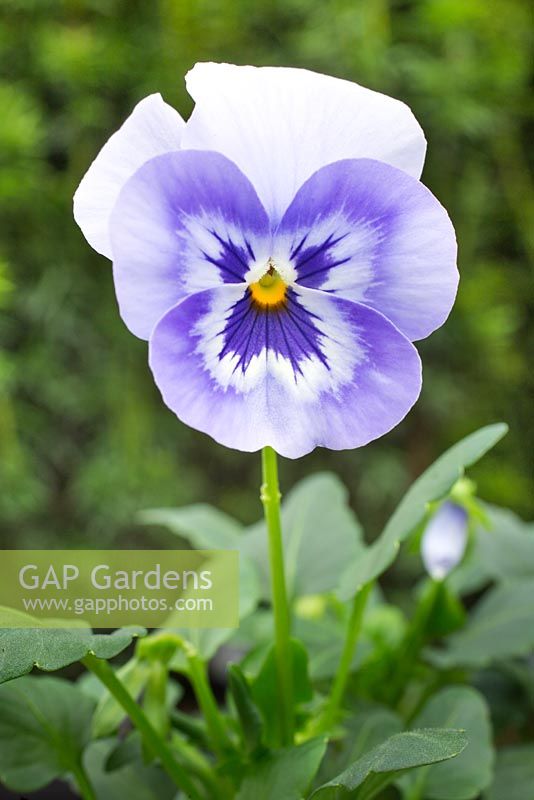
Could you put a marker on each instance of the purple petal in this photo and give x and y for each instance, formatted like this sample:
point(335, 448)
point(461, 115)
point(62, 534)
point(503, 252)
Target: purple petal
point(184, 222)
point(319, 371)
point(368, 232)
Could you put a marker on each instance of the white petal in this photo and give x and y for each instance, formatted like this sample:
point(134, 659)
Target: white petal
point(280, 125)
point(444, 540)
point(152, 128)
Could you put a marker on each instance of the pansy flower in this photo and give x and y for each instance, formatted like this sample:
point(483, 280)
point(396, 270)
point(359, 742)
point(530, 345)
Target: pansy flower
point(278, 252)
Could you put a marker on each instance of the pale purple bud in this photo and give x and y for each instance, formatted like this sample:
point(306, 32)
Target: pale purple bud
point(444, 540)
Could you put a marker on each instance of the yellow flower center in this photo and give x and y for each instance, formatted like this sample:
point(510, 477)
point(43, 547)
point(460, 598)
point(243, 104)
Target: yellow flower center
point(270, 290)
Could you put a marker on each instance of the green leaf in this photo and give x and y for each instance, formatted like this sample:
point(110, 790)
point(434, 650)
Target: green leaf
point(502, 548)
point(381, 765)
point(202, 525)
point(364, 729)
point(321, 536)
point(471, 772)
point(514, 774)
point(265, 687)
point(499, 627)
point(432, 485)
point(44, 727)
point(207, 528)
point(109, 645)
point(125, 751)
point(247, 710)
point(507, 549)
point(131, 780)
point(285, 774)
point(49, 649)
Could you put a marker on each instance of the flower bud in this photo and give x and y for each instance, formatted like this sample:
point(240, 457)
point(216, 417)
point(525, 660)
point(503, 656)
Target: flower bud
point(444, 540)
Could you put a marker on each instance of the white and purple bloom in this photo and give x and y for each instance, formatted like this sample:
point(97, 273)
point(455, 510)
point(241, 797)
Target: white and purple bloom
point(278, 252)
point(445, 540)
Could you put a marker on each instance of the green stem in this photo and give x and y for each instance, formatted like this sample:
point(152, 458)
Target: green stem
point(153, 740)
point(194, 760)
point(208, 704)
point(414, 640)
point(270, 497)
point(82, 781)
point(330, 713)
point(417, 789)
point(431, 688)
point(155, 698)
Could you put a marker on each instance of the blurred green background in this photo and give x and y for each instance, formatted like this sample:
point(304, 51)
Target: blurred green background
point(85, 440)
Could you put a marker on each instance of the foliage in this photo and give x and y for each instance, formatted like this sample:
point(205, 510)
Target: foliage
point(50, 649)
point(400, 752)
point(417, 716)
point(472, 771)
point(44, 730)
